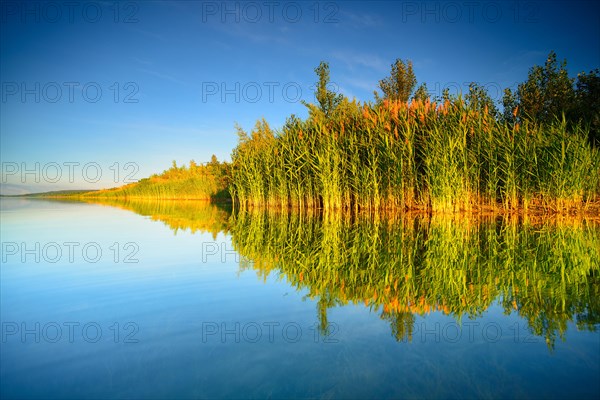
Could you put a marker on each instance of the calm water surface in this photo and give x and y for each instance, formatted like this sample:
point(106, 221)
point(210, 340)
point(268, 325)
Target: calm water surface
point(186, 300)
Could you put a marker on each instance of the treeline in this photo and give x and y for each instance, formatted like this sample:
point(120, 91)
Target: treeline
point(208, 181)
point(407, 150)
point(549, 94)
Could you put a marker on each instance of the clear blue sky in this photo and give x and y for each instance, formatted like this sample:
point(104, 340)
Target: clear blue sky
point(174, 59)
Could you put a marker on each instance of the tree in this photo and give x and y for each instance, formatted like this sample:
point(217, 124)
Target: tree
point(548, 92)
point(445, 95)
point(587, 103)
point(401, 82)
point(327, 99)
point(510, 103)
point(421, 94)
point(478, 99)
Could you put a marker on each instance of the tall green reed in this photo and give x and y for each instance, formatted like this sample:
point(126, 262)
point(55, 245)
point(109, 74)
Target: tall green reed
point(444, 157)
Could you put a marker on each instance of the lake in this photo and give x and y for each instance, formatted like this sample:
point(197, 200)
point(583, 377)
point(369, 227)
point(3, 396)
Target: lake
point(189, 300)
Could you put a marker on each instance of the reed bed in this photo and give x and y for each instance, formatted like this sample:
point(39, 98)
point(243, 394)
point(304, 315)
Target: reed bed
point(194, 182)
point(420, 155)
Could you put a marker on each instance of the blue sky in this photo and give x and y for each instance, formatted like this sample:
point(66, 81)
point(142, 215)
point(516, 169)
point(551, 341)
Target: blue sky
point(129, 87)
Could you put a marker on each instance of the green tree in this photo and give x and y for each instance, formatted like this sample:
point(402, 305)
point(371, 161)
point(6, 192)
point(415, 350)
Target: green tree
point(478, 99)
point(401, 82)
point(445, 95)
point(327, 99)
point(587, 103)
point(421, 93)
point(510, 103)
point(548, 92)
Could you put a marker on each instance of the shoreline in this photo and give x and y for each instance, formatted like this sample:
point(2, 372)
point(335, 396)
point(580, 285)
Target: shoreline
point(589, 210)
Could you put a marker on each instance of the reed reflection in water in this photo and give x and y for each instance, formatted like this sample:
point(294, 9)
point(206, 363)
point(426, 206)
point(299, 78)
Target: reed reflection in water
point(546, 270)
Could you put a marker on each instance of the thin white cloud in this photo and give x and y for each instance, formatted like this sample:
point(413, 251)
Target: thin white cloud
point(141, 61)
point(162, 76)
point(364, 84)
point(149, 34)
point(261, 32)
point(250, 32)
point(358, 60)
